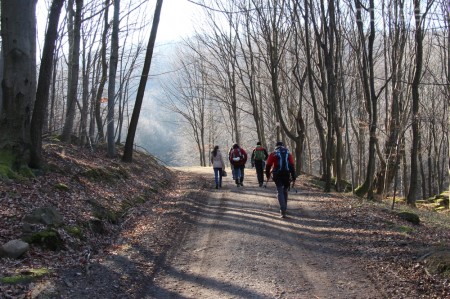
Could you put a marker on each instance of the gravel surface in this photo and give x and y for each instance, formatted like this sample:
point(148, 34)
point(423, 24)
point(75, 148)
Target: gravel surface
point(241, 248)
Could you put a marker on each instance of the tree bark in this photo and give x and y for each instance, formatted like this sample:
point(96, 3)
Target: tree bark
point(74, 67)
point(43, 87)
point(113, 60)
point(411, 196)
point(128, 151)
point(18, 31)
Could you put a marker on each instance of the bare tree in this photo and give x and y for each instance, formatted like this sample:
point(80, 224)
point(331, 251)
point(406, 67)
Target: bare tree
point(128, 151)
point(187, 96)
point(418, 38)
point(74, 25)
point(43, 87)
point(113, 60)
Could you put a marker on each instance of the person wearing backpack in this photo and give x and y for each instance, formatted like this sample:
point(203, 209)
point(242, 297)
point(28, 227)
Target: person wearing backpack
point(218, 166)
point(231, 165)
point(280, 164)
point(238, 158)
point(259, 156)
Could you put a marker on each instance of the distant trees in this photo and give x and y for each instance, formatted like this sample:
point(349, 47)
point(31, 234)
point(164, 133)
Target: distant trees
point(355, 88)
point(342, 83)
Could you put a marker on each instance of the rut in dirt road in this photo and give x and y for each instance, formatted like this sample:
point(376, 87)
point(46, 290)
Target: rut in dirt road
point(239, 247)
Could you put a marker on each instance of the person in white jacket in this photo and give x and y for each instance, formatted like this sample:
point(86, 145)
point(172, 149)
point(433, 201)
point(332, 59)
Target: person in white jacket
point(218, 166)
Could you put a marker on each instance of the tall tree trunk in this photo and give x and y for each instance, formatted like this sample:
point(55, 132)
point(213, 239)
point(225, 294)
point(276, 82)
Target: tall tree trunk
point(128, 151)
point(18, 31)
point(368, 77)
point(448, 93)
point(104, 76)
point(113, 60)
point(411, 196)
point(43, 87)
point(391, 160)
point(74, 67)
point(52, 113)
point(317, 120)
point(86, 61)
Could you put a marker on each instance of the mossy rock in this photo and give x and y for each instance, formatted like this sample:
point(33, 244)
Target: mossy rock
point(49, 239)
point(105, 214)
point(97, 226)
point(102, 213)
point(48, 216)
point(410, 217)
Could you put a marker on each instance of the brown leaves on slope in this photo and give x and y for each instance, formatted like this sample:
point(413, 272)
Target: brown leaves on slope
point(77, 178)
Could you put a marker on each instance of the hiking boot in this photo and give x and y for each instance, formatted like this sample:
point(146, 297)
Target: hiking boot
point(217, 187)
point(282, 214)
point(242, 184)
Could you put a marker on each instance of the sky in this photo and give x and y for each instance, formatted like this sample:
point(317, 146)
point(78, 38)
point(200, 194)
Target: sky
point(176, 21)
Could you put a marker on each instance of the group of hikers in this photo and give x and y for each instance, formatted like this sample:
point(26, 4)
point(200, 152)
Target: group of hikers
point(278, 165)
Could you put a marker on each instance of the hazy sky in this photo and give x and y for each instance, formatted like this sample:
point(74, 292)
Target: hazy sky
point(176, 19)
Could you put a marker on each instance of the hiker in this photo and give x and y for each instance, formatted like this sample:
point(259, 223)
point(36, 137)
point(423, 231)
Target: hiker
point(218, 166)
point(280, 164)
point(238, 158)
point(259, 156)
point(231, 164)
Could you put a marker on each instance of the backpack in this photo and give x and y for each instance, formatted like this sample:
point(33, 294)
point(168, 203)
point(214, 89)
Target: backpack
point(259, 154)
point(282, 169)
point(236, 155)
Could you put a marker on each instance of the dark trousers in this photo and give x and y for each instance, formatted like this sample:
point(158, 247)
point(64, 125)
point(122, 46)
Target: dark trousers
point(282, 192)
point(259, 166)
point(238, 173)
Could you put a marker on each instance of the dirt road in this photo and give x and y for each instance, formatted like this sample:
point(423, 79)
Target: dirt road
point(241, 248)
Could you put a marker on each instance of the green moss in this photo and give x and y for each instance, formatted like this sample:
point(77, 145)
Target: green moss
point(360, 191)
point(9, 169)
point(61, 186)
point(49, 239)
point(25, 276)
point(318, 183)
point(410, 217)
point(74, 231)
point(404, 229)
point(105, 214)
point(108, 174)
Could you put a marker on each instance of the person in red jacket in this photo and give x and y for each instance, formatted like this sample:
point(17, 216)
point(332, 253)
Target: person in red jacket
point(238, 158)
point(280, 164)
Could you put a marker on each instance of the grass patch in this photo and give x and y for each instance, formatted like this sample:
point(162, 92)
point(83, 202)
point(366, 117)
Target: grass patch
point(25, 276)
point(403, 229)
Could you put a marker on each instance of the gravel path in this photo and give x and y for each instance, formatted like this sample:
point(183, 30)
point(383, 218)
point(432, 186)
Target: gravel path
point(240, 248)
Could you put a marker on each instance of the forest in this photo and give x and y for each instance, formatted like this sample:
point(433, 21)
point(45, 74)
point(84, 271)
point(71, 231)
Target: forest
point(358, 90)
